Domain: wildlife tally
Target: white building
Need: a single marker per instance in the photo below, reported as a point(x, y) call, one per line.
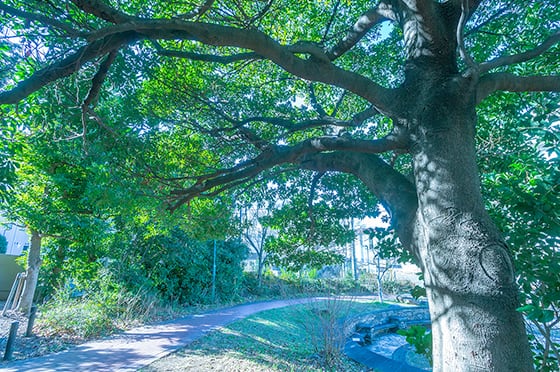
point(18, 240)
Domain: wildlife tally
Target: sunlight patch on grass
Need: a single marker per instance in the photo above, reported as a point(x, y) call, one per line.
point(273, 340)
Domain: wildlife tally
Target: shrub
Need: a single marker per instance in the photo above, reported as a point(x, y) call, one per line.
point(81, 318)
point(179, 268)
point(421, 338)
point(369, 281)
point(98, 310)
point(324, 324)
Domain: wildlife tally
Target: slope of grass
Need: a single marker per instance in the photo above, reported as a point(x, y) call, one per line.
point(294, 338)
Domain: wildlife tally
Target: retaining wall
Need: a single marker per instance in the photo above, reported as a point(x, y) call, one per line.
point(413, 314)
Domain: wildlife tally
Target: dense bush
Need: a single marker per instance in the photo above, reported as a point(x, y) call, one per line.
point(179, 268)
point(171, 265)
point(132, 275)
point(95, 313)
point(289, 284)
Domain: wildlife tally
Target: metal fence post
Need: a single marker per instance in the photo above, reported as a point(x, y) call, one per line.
point(11, 339)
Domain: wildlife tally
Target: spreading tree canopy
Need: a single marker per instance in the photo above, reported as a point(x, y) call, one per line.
point(225, 94)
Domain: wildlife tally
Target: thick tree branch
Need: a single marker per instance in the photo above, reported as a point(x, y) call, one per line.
point(210, 57)
point(277, 155)
point(101, 10)
point(362, 116)
point(65, 67)
point(396, 193)
point(316, 69)
point(343, 143)
point(490, 83)
point(98, 79)
point(465, 55)
point(44, 20)
point(521, 57)
point(383, 11)
point(292, 126)
point(289, 125)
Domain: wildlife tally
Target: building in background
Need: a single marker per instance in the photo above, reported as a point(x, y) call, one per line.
point(18, 240)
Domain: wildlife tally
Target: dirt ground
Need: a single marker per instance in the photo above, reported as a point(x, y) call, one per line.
point(25, 347)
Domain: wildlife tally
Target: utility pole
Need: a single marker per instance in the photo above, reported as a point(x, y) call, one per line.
point(370, 231)
point(214, 274)
point(379, 275)
point(362, 254)
point(354, 260)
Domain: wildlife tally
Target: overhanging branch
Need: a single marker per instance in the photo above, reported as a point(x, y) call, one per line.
point(490, 83)
point(365, 22)
point(393, 190)
point(521, 57)
point(224, 179)
point(65, 67)
point(314, 69)
point(210, 57)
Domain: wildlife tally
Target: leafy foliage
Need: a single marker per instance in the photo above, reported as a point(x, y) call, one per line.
point(519, 158)
point(180, 268)
point(421, 338)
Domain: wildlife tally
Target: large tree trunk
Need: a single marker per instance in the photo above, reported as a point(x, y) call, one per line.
point(33, 266)
point(467, 267)
point(440, 218)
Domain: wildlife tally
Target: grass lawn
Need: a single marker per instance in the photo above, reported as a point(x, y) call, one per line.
point(285, 339)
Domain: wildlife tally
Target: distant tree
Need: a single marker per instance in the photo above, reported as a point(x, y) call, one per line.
point(255, 235)
point(50, 197)
point(8, 145)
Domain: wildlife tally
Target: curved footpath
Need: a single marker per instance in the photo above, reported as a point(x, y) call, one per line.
point(138, 347)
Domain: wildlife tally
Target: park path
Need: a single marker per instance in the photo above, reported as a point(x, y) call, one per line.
point(138, 347)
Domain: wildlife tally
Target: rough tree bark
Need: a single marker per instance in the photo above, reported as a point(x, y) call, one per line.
point(467, 267)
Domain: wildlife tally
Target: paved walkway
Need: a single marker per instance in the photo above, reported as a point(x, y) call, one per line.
point(139, 347)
